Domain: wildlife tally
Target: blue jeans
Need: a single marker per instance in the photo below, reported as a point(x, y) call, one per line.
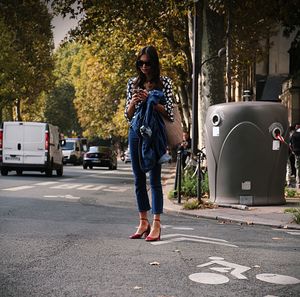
point(140, 179)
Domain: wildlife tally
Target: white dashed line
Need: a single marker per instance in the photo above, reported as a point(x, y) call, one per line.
point(46, 183)
point(18, 188)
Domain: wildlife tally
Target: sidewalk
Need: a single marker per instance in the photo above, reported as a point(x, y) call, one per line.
point(273, 216)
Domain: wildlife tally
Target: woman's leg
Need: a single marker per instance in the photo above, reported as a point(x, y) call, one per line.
point(139, 176)
point(156, 189)
point(157, 201)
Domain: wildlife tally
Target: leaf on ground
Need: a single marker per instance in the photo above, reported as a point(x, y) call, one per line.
point(137, 288)
point(277, 238)
point(256, 266)
point(155, 263)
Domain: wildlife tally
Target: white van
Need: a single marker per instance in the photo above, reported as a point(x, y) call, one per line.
point(31, 146)
point(72, 151)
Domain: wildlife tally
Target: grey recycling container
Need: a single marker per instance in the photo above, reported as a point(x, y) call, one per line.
point(246, 161)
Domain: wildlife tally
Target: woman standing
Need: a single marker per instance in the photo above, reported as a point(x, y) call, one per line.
point(148, 78)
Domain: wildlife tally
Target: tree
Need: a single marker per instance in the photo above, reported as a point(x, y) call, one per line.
point(120, 28)
point(117, 29)
point(59, 102)
point(252, 23)
point(60, 109)
point(29, 25)
point(8, 66)
point(94, 101)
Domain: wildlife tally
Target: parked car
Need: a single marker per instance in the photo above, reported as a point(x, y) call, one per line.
point(30, 146)
point(104, 155)
point(127, 158)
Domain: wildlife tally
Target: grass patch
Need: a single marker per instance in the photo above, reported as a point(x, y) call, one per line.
point(192, 203)
point(295, 212)
point(189, 184)
point(290, 193)
point(172, 195)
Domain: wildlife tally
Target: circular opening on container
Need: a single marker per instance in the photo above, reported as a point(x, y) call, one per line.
point(276, 132)
point(216, 119)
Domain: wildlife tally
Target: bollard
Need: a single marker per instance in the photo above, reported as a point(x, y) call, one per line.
point(199, 179)
point(178, 175)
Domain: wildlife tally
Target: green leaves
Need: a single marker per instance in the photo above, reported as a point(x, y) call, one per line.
point(26, 47)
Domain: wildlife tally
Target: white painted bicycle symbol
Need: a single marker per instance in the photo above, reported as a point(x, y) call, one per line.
point(236, 271)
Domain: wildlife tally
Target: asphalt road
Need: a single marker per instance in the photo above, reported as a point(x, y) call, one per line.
point(69, 237)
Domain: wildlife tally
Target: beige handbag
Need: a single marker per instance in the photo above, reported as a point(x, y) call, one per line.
point(174, 129)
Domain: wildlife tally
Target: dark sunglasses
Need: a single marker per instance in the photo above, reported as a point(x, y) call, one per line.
point(140, 63)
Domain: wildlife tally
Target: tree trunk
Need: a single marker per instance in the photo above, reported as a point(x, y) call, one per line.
point(211, 89)
point(18, 110)
point(184, 75)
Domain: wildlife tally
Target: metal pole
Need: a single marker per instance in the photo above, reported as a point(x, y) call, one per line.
point(228, 53)
point(179, 164)
point(199, 179)
point(176, 176)
point(197, 57)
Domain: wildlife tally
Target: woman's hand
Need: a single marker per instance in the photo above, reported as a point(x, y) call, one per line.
point(139, 96)
point(143, 95)
point(135, 99)
point(160, 108)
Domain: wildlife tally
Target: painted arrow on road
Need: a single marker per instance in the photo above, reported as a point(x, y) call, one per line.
point(169, 238)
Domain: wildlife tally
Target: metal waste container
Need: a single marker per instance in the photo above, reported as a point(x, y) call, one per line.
point(246, 155)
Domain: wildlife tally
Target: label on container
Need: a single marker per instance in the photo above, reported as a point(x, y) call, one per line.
point(216, 131)
point(246, 200)
point(276, 145)
point(246, 185)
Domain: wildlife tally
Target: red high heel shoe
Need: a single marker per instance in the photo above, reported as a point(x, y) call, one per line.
point(150, 238)
point(140, 235)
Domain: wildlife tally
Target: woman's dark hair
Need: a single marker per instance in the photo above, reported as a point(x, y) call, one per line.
point(151, 52)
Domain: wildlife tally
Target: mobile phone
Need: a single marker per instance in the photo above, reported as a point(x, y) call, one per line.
point(135, 91)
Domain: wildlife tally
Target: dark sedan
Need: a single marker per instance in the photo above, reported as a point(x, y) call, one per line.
point(100, 156)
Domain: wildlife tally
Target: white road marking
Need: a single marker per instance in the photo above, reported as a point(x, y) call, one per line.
point(177, 228)
point(194, 236)
point(91, 187)
point(289, 231)
point(46, 183)
point(18, 188)
point(237, 270)
point(184, 237)
point(277, 279)
point(294, 232)
point(62, 196)
point(69, 179)
point(209, 278)
point(183, 228)
point(116, 189)
point(113, 177)
point(113, 172)
point(67, 186)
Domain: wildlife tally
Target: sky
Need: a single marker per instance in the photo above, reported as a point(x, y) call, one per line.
point(61, 27)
